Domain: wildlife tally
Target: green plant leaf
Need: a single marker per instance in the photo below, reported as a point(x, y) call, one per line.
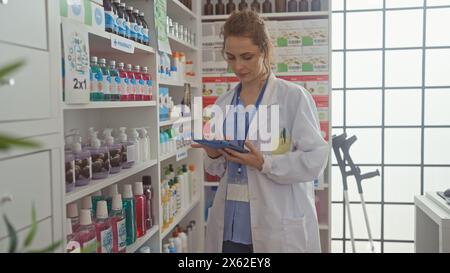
point(10, 68)
point(50, 249)
point(33, 230)
point(8, 142)
point(12, 235)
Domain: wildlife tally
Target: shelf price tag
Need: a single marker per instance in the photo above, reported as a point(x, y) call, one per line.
point(182, 155)
point(76, 63)
point(122, 44)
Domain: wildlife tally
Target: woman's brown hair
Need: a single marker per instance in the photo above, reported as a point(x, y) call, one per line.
point(248, 23)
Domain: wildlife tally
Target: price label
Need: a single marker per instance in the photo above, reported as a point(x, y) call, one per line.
point(182, 155)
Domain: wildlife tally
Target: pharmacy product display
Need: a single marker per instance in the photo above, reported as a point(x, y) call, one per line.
point(281, 6)
point(117, 221)
point(176, 67)
point(181, 32)
point(181, 240)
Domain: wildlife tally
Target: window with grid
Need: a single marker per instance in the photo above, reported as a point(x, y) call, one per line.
point(391, 88)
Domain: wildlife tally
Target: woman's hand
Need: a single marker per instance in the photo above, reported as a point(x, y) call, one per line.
point(212, 153)
point(254, 158)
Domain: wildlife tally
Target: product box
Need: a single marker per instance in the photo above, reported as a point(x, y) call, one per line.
point(288, 60)
point(217, 86)
point(211, 35)
point(97, 16)
point(90, 13)
point(288, 33)
point(317, 85)
point(315, 32)
point(213, 61)
point(315, 59)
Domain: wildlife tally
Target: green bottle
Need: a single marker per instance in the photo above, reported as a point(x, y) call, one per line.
point(130, 214)
point(97, 87)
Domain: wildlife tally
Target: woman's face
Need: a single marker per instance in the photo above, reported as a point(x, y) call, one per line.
point(244, 57)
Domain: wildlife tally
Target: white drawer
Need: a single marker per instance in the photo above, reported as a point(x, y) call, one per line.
point(27, 179)
point(24, 22)
point(42, 239)
point(29, 98)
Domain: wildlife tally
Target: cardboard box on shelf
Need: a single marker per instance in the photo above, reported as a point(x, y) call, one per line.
point(90, 13)
point(287, 33)
point(315, 59)
point(317, 85)
point(288, 60)
point(315, 32)
point(216, 86)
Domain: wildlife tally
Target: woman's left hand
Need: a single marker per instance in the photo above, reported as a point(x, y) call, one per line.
point(254, 158)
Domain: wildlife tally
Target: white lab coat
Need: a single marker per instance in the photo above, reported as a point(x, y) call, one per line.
point(282, 202)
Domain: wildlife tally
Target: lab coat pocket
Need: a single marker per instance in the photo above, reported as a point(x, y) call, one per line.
point(294, 235)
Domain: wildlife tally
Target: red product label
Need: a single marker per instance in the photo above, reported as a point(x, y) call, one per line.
point(322, 101)
point(325, 128)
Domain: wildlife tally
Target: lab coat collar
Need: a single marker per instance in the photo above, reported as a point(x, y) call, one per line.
point(270, 97)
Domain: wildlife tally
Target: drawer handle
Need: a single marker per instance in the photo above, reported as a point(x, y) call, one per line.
point(5, 199)
point(3, 2)
point(8, 82)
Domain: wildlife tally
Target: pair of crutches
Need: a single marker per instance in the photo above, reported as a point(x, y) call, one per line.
point(341, 147)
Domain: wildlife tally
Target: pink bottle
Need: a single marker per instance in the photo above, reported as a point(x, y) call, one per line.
point(103, 229)
point(141, 207)
point(86, 233)
point(72, 214)
point(132, 83)
point(139, 83)
point(148, 84)
point(72, 246)
point(125, 88)
point(119, 227)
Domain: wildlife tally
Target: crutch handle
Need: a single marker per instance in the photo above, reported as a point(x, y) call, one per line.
point(339, 140)
point(349, 142)
point(370, 175)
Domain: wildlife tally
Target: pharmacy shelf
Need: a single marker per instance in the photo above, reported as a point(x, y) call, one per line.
point(275, 16)
point(278, 74)
point(178, 218)
point(104, 40)
point(178, 10)
point(180, 45)
point(175, 121)
point(141, 241)
point(97, 185)
point(211, 184)
point(162, 81)
point(179, 151)
point(107, 105)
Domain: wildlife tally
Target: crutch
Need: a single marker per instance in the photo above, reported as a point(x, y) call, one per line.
point(341, 143)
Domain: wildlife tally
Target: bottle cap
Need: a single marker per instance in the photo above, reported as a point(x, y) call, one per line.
point(109, 140)
point(145, 249)
point(86, 203)
point(94, 59)
point(69, 226)
point(141, 14)
point(85, 218)
point(102, 61)
point(138, 188)
point(112, 63)
point(123, 134)
point(112, 191)
point(97, 193)
point(117, 202)
point(147, 180)
point(136, 11)
point(127, 191)
point(72, 210)
point(102, 210)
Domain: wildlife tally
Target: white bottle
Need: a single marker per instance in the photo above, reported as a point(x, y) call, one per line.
point(178, 243)
point(72, 246)
point(134, 137)
point(189, 235)
point(130, 149)
point(86, 203)
point(72, 214)
point(184, 240)
point(145, 249)
point(172, 245)
point(144, 145)
point(166, 248)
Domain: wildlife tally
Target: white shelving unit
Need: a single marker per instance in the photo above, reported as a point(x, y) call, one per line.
point(144, 114)
point(323, 192)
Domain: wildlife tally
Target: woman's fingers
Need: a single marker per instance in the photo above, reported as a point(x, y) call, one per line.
point(234, 153)
point(251, 147)
point(197, 146)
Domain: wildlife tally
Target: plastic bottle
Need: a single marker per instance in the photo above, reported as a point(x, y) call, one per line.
point(116, 4)
point(184, 239)
point(141, 209)
point(126, 21)
point(145, 29)
point(110, 193)
point(148, 95)
point(177, 241)
point(256, 6)
point(132, 83)
point(132, 23)
point(280, 5)
point(115, 152)
point(174, 66)
point(187, 184)
point(86, 234)
point(69, 167)
point(110, 11)
point(100, 158)
point(116, 82)
point(209, 8)
point(243, 5)
point(138, 27)
point(86, 203)
point(303, 6)
point(231, 6)
point(83, 162)
point(106, 80)
point(72, 214)
point(119, 228)
point(189, 236)
point(72, 246)
point(121, 19)
point(166, 248)
point(148, 192)
point(130, 214)
point(145, 145)
point(129, 150)
point(315, 5)
point(103, 229)
point(267, 6)
point(145, 250)
point(292, 6)
point(192, 181)
point(172, 247)
point(126, 88)
point(178, 189)
point(96, 75)
point(97, 196)
point(140, 84)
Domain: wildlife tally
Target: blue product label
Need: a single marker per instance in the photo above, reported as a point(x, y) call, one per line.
point(133, 30)
point(116, 26)
point(145, 34)
point(126, 26)
point(106, 239)
point(121, 24)
point(138, 30)
point(150, 83)
point(109, 20)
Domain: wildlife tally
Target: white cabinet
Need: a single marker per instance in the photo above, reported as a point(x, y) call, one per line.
point(24, 22)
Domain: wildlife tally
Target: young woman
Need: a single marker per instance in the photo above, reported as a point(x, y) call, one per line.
point(265, 201)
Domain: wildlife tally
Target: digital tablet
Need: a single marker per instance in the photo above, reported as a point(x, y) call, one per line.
point(221, 144)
